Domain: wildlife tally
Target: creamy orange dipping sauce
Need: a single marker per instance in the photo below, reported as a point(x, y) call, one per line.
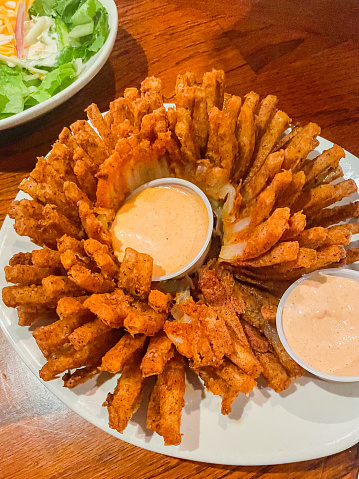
point(321, 324)
point(167, 222)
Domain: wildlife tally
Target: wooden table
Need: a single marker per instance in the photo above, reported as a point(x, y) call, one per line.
point(307, 53)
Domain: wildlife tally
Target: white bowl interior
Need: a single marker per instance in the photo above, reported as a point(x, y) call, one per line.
point(343, 272)
point(198, 260)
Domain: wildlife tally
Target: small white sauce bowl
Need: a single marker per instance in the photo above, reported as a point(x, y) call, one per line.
point(341, 272)
point(198, 260)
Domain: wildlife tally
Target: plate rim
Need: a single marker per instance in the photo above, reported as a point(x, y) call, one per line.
point(254, 459)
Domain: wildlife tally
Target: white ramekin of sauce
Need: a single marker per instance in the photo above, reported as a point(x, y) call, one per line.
point(318, 323)
point(171, 220)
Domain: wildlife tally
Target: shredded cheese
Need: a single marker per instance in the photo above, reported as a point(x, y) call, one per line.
point(8, 13)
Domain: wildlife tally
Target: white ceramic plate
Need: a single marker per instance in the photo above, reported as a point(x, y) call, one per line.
point(313, 418)
point(91, 68)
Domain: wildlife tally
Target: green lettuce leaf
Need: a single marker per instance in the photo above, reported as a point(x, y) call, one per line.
point(86, 13)
point(53, 83)
point(62, 33)
point(15, 87)
point(67, 8)
point(100, 32)
point(82, 29)
point(42, 7)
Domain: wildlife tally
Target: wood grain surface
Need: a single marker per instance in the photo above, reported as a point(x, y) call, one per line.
point(307, 53)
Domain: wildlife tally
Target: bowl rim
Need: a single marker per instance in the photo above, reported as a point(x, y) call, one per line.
point(344, 272)
point(94, 65)
point(168, 181)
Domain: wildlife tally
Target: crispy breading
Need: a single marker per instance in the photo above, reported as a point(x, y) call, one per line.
point(286, 138)
point(89, 141)
point(276, 286)
point(111, 308)
point(217, 296)
point(276, 127)
point(74, 194)
point(21, 258)
point(171, 392)
point(85, 179)
point(269, 312)
point(265, 112)
point(235, 377)
point(352, 255)
point(306, 257)
point(92, 225)
point(261, 208)
point(72, 252)
point(14, 296)
point(89, 281)
point(43, 224)
point(45, 257)
point(227, 382)
point(202, 337)
point(218, 386)
point(151, 90)
point(286, 251)
point(213, 84)
point(79, 376)
point(262, 239)
point(329, 159)
point(222, 143)
point(292, 192)
point(154, 411)
point(71, 358)
point(212, 152)
point(322, 196)
point(100, 253)
point(292, 368)
point(300, 146)
point(29, 314)
point(332, 216)
point(45, 193)
point(94, 115)
point(257, 340)
point(72, 316)
point(326, 178)
point(159, 351)
point(318, 236)
point(86, 333)
point(143, 319)
point(136, 273)
point(231, 287)
point(200, 117)
point(59, 286)
point(186, 135)
point(159, 301)
point(56, 168)
point(245, 135)
point(273, 372)
point(28, 274)
point(270, 168)
point(127, 396)
point(296, 224)
point(122, 353)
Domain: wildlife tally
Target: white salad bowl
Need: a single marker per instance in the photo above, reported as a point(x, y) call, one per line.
point(90, 70)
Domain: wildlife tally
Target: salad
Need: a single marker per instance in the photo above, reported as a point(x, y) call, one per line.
point(44, 45)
